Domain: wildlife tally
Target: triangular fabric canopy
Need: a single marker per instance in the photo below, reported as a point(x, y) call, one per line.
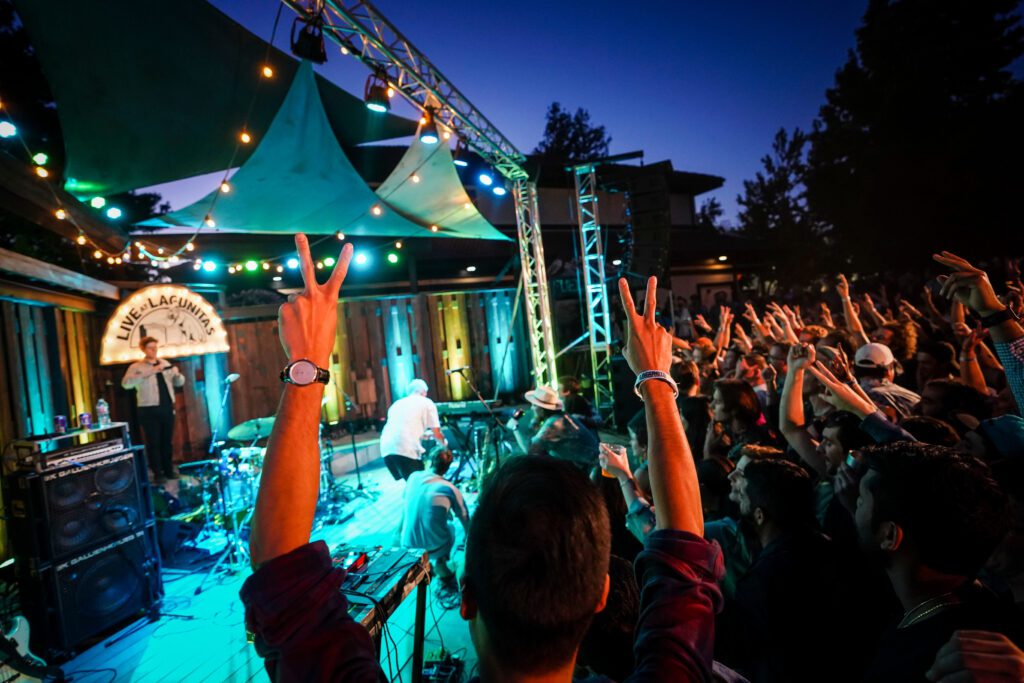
point(297, 179)
point(152, 92)
point(425, 188)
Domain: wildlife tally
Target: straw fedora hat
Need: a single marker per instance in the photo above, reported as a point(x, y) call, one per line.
point(545, 397)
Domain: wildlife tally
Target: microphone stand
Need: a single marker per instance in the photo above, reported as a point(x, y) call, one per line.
point(494, 419)
point(220, 414)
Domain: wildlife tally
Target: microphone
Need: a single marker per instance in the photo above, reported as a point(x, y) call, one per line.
point(233, 377)
point(454, 370)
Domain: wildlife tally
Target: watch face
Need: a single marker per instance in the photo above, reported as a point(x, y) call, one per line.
point(303, 372)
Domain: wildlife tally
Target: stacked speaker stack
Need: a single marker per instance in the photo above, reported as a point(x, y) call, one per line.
point(80, 522)
point(650, 219)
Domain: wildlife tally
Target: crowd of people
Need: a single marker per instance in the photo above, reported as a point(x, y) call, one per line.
point(806, 497)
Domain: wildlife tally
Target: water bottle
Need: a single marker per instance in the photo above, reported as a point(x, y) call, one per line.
point(102, 413)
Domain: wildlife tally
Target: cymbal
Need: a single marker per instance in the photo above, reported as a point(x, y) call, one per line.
point(256, 428)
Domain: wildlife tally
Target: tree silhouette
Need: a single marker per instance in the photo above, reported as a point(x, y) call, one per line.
point(571, 137)
point(919, 143)
point(710, 213)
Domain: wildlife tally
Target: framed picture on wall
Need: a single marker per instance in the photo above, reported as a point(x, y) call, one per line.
point(715, 293)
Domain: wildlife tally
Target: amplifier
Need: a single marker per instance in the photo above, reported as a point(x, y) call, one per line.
point(76, 503)
point(40, 452)
point(90, 594)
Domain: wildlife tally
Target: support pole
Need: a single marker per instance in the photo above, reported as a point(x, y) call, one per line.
point(535, 283)
point(595, 290)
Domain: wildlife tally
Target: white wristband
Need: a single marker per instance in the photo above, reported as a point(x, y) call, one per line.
point(655, 374)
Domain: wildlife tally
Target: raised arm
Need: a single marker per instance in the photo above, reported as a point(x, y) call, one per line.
point(290, 481)
point(849, 312)
point(673, 473)
point(791, 410)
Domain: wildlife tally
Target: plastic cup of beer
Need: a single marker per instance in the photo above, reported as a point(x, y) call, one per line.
point(619, 450)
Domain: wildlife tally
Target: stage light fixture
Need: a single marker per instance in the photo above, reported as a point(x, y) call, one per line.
point(460, 162)
point(40, 158)
point(428, 129)
point(308, 41)
point(470, 269)
point(97, 202)
point(114, 213)
point(485, 179)
point(292, 263)
point(225, 187)
point(375, 93)
point(80, 239)
point(617, 262)
point(277, 278)
point(42, 172)
point(723, 258)
point(499, 190)
point(329, 261)
point(61, 214)
point(251, 265)
point(8, 129)
point(209, 266)
point(392, 258)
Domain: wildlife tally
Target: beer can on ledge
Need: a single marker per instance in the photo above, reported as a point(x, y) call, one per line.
point(85, 421)
point(60, 424)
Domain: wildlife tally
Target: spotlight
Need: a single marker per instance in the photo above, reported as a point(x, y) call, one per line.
point(329, 261)
point(8, 129)
point(292, 263)
point(486, 180)
point(114, 213)
point(617, 262)
point(97, 202)
point(40, 159)
point(375, 93)
point(723, 258)
point(470, 269)
point(428, 131)
point(277, 278)
point(251, 265)
point(308, 42)
point(392, 258)
point(460, 162)
point(361, 259)
point(499, 190)
point(209, 266)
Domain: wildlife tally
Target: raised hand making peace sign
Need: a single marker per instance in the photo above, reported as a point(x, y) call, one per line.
point(648, 344)
point(309, 320)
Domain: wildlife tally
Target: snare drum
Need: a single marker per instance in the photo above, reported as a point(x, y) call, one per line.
point(240, 469)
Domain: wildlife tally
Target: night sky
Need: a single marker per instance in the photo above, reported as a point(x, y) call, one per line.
point(703, 84)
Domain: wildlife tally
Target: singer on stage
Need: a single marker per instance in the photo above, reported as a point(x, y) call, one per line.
point(409, 419)
point(154, 380)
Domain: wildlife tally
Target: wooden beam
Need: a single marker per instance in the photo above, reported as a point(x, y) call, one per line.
point(26, 266)
point(20, 292)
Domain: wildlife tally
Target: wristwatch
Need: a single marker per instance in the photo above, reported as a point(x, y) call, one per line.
point(999, 317)
point(304, 372)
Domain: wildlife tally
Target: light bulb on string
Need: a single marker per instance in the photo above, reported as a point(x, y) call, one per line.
point(267, 71)
point(97, 254)
point(398, 244)
point(245, 138)
point(340, 235)
point(376, 210)
point(197, 265)
point(434, 228)
point(61, 214)
point(40, 159)
point(415, 178)
point(189, 246)
point(80, 240)
point(42, 172)
point(279, 269)
point(319, 265)
point(160, 250)
point(225, 187)
point(329, 261)
point(208, 220)
point(118, 260)
point(266, 266)
point(110, 260)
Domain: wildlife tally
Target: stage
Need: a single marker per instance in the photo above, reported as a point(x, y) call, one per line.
point(202, 637)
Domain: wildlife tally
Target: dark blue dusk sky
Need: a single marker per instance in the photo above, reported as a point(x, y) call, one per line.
point(705, 84)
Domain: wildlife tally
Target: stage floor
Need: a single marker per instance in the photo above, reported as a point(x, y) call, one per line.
point(202, 637)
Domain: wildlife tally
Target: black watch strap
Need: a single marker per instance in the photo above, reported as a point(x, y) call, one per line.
point(322, 376)
point(999, 317)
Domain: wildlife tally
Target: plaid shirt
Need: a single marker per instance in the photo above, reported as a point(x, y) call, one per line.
point(1011, 355)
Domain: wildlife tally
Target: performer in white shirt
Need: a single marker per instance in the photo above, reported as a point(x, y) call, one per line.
point(409, 420)
point(155, 380)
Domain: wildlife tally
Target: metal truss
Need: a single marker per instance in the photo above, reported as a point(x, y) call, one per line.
point(362, 31)
point(535, 284)
point(595, 290)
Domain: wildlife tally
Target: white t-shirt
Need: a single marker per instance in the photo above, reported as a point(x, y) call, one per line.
point(429, 502)
point(409, 419)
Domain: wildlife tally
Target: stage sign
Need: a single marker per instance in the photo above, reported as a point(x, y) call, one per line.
point(182, 321)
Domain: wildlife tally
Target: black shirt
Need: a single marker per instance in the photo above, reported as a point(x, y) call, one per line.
point(166, 402)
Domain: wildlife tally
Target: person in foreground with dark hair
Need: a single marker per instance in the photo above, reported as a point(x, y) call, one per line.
point(538, 550)
point(931, 517)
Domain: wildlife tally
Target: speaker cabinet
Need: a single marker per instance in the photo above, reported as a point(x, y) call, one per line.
point(71, 601)
point(58, 512)
point(650, 218)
